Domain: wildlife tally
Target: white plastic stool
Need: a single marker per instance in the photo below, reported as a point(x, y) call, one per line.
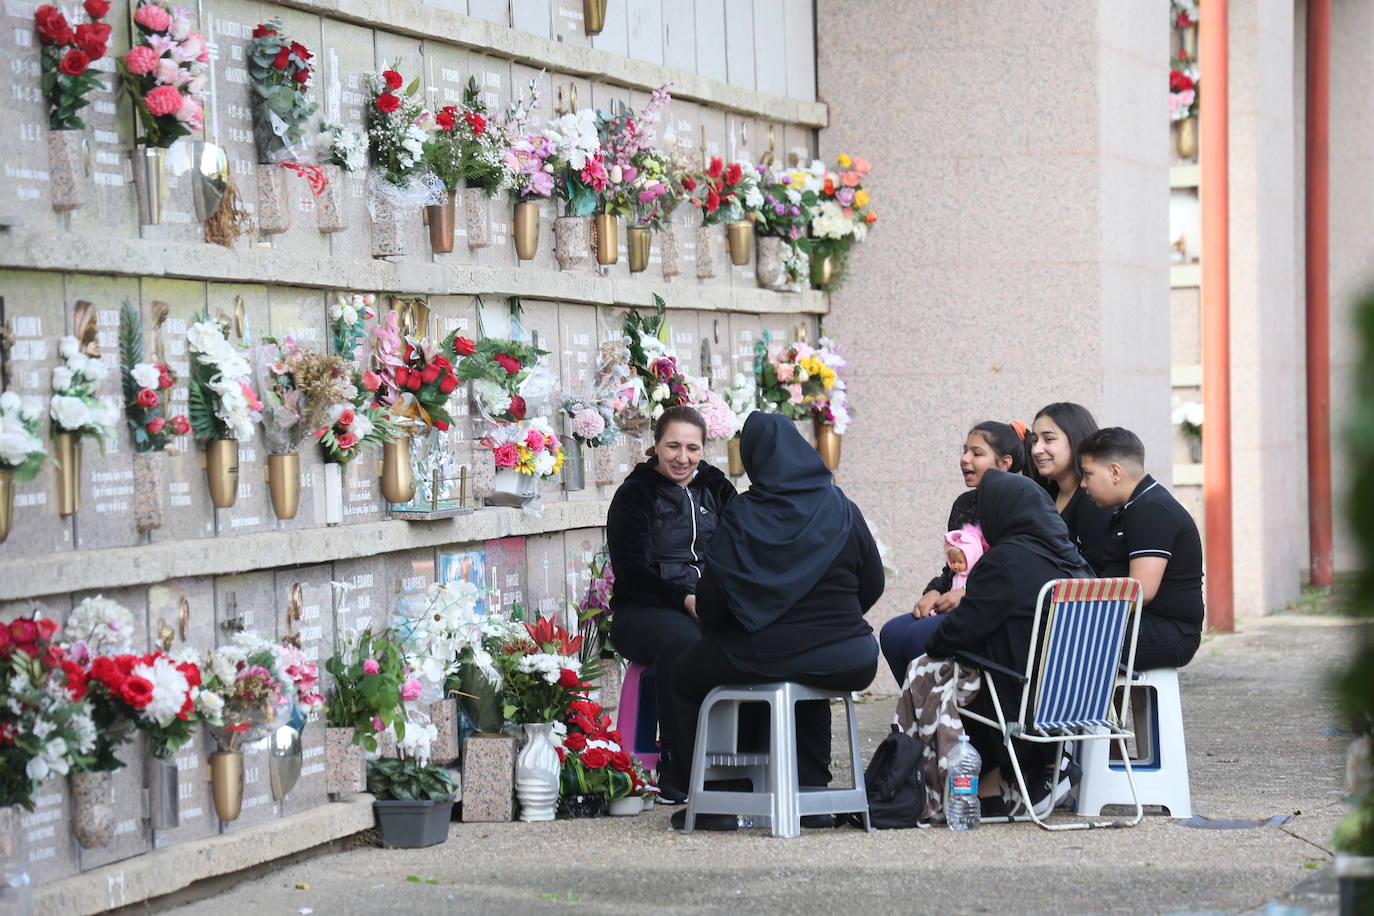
point(777, 794)
point(1161, 765)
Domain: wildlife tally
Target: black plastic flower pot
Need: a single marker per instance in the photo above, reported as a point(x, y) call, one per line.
point(582, 805)
point(413, 824)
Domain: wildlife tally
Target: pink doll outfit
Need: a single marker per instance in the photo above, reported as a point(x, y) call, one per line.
point(968, 539)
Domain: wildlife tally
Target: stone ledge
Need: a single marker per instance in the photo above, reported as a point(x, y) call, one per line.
point(148, 564)
point(408, 17)
point(172, 868)
point(89, 254)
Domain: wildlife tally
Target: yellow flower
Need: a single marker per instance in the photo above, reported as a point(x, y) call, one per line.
point(817, 369)
point(844, 160)
point(861, 198)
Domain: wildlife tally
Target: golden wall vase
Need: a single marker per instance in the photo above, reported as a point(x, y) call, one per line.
point(828, 444)
point(641, 241)
point(284, 484)
point(6, 502)
point(732, 451)
point(226, 784)
point(526, 230)
point(822, 271)
point(594, 16)
point(68, 473)
point(1186, 144)
point(222, 471)
point(398, 474)
point(740, 236)
point(440, 220)
point(607, 239)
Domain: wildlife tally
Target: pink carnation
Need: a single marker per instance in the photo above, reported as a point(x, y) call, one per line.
point(534, 440)
point(152, 17)
point(588, 424)
point(506, 456)
point(164, 100)
point(141, 59)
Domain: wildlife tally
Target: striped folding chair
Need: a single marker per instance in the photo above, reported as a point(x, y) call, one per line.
point(1085, 623)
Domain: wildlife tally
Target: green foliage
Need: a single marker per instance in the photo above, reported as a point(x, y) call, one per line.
point(356, 697)
point(280, 83)
point(66, 94)
point(391, 779)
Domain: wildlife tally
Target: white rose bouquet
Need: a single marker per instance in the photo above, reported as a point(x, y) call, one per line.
point(74, 406)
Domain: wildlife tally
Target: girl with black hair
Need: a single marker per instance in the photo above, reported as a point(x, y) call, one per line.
point(658, 529)
point(990, 444)
point(1054, 464)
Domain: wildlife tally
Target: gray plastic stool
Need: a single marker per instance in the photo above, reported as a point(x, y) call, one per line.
point(782, 800)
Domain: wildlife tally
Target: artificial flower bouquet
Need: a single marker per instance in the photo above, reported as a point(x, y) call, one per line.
point(299, 388)
point(830, 403)
point(45, 717)
point(279, 74)
point(727, 193)
point(1183, 90)
point(343, 147)
point(164, 73)
point(353, 423)
point(74, 406)
point(398, 126)
point(626, 134)
point(467, 149)
point(366, 674)
point(346, 318)
point(159, 695)
point(68, 59)
point(742, 398)
point(434, 628)
point(147, 389)
point(22, 452)
point(647, 339)
point(577, 161)
point(415, 376)
point(251, 679)
point(541, 672)
point(592, 420)
point(803, 382)
point(529, 447)
point(223, 404)
point(507, 380)
point(719, 417)
point(843, 213)
point(594, 763)
point(594, 612)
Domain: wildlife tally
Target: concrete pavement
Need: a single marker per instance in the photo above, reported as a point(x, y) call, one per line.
point(1263, 740)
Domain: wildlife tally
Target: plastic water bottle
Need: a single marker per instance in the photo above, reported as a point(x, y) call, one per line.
point(962, 808)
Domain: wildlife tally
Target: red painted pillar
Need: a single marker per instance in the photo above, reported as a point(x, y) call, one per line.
point(1319, 289)
point(1216, 313)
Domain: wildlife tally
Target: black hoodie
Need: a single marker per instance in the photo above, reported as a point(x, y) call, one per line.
point(658, 532)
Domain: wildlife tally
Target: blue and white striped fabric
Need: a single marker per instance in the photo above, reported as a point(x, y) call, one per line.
point(1085, 629)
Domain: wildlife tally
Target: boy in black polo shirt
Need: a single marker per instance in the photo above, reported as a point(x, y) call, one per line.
point(1152, 539)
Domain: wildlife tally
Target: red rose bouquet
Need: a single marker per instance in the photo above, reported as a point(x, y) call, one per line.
point(155, 693)
point(726, 193)
point(594, 763)
point(67, 58)
point(415, 377)
point(164, 73)
point(279, 73)
point(507, 380)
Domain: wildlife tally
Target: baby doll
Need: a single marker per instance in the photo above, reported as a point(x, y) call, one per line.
point(962, 549)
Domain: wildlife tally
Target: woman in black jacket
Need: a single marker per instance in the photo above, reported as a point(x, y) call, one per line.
point(1029, 546)
point(1054, 464)
point(657, 530)
point(788, 578)
point(989, 445)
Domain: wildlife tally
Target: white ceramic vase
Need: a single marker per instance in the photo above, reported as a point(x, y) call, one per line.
point(536, 773)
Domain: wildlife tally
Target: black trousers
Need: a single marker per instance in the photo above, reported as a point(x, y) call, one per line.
point(1165, 643)
point(705, 666)
point(654, 636)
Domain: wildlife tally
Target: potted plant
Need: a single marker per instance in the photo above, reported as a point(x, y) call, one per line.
point(840, 219)
point(466, 152)
point(365, 676)
point(414, 801)
point(596, 770)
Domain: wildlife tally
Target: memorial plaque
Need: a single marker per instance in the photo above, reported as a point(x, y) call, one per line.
point(744, 141)
point(299, 314)
point(409, 573)
point(462, 563)
point(315, 631)
point(745, 333)
point(362, 595)
point(34, 311)
point(345, 55)
point(569, 24)
point(494, 82)
point(108, 208)
point(579, 356)
point(186, 510)
point(45, 833)
point(252, 511)
point(248, 602)
point(165, 603)
point(26, 191)
point(685, 340)
point(580, 546)
point(545, 587)
point(506, 572)
point(106, 517)
point(797, 146)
